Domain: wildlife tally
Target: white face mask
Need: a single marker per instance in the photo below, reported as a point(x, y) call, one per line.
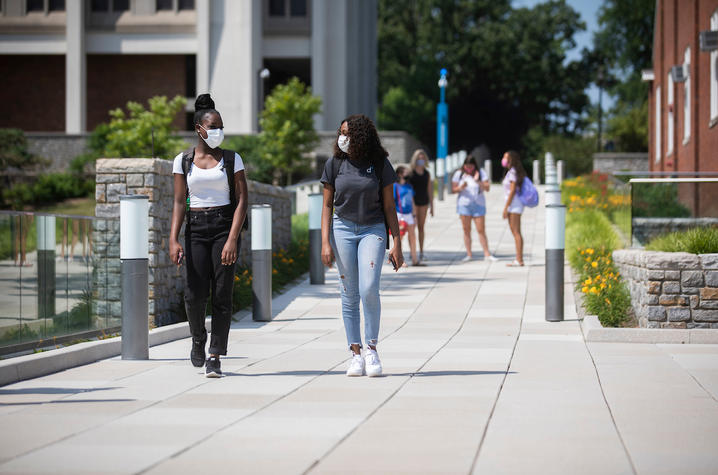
point(214, 137)
point(343, 142)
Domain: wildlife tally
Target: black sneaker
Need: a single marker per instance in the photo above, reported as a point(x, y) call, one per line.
point(197, 354)
point(212, 368)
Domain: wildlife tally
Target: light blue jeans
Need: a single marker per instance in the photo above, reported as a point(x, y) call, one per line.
point(359, 251)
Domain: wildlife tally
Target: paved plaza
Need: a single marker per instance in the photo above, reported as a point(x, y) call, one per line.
point(475, 382)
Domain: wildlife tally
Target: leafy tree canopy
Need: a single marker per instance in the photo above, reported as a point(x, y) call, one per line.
point(140, 131)
point(507, 67)
point(288, 128)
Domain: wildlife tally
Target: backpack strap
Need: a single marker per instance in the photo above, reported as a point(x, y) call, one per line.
point(228, 157)
point(187, 159)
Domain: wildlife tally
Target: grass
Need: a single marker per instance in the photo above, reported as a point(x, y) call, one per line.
point(77, 206)
point(694, 241)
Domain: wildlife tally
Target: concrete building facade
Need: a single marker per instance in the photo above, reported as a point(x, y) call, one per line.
point(67, 62)
point(683, 106)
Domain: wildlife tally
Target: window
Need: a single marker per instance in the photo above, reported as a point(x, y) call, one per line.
point(100, 5)
point(298, 8)
point(276, 8)
point(714, 73)
point(186, 4)
point(687, 96)
point(57, 6)
point(35, 5)
point(657, 150)
point(120, 5)
point(164, 5)
point(669, 121)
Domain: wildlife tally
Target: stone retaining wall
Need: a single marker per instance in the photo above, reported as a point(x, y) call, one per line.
point(153, 177)
point(645, 229)
point(613, 162)
point(671, 289)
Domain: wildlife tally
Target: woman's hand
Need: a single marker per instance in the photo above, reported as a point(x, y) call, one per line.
point(506, 214)
point(176, 252)
point(229, 252)
point(327, 255)
point(398, 256)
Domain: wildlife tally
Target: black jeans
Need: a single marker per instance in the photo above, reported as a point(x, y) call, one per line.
point(206, 233)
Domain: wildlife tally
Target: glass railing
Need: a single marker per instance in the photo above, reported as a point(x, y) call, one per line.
point(663, 205)
point(56, 280)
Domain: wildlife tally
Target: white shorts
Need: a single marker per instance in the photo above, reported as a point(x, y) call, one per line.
point(408, 217)
point(516, 206)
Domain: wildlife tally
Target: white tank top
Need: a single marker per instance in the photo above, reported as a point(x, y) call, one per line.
point(207, 187)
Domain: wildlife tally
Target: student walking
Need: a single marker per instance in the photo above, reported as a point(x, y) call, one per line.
point(358, 185)
point(405, 210)
point(470, 183)
point(420, 180)
point(214, 181)
point(513, 207)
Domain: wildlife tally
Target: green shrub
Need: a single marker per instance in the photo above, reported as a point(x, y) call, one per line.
point(588, 229)
point(657, 200)
point(48, 188)
point(13, 150)
point(695, 241)
point(249, 147)
point(18, 334)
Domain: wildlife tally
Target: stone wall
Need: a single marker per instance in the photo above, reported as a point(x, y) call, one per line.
point(153, 177)
point(645, 229)
point(671, 289)
point(57, 147)
point(614, 162)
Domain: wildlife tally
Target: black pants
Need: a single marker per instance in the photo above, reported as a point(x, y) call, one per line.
point(206, 233)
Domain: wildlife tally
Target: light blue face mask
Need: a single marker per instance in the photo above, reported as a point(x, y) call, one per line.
point(420, 163)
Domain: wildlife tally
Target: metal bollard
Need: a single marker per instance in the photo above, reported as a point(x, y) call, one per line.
point(316, 268)
point(537, 172)
point(488, 165)
point(440, 172)
point(134, 263)
point(555, 245)
point(553, 192)
point(559, 172)
point(45, 266)
point(261, 262)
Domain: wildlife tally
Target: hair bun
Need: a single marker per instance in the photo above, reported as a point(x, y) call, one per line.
point(203, 102)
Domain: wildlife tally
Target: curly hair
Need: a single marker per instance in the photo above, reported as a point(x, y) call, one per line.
point(515, 162)
point(364, 140)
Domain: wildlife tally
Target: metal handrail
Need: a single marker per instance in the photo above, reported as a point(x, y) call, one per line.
point(39, 213)
point(667, 174)
point(673, 180)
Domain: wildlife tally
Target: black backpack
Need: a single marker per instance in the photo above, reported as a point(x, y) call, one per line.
point(379, 173)
point(228, 157)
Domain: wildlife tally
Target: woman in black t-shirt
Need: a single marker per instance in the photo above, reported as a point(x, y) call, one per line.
point(420, 179)
point(358, 206)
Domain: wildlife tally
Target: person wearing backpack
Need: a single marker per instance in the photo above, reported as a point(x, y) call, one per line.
point(358, 208)
point(514, 207)
point(470, 183)
point(404, 195)
point(214, 181)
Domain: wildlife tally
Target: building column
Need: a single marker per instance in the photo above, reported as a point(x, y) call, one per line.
point(203, 45)
point(75, 69)
point(235, 61)
point(329, 61)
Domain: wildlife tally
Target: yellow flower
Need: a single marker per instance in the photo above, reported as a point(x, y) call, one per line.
point(607, 301)
point(594, 264)
point(589, 250)
point(236, 278)
point(594, 290)
point(584, 289)
point(603, 286)
point(588, 281)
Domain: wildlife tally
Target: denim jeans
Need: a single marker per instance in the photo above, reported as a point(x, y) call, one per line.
point(206, 233)
point(359, 251)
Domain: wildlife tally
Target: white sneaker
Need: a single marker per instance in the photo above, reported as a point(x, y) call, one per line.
point(492, 258)
point(356, 366)
point(466, 259)
point(373, 365)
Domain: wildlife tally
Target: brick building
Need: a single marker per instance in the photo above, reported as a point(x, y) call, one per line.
point(683, 99)
point(65, 63)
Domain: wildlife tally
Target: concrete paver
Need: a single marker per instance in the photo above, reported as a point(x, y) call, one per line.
point(475, 381)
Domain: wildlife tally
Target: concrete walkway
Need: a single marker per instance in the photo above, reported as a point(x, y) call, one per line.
point(476, 382)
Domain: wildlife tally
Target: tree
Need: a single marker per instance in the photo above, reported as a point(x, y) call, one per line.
point(13, 151)
point(623, 48)
point(143, 132)
point(507, 69)
point(288, 129)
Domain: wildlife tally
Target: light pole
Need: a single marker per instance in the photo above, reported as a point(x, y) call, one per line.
point(599, 80)
point(263, 75)
point(442, 131)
